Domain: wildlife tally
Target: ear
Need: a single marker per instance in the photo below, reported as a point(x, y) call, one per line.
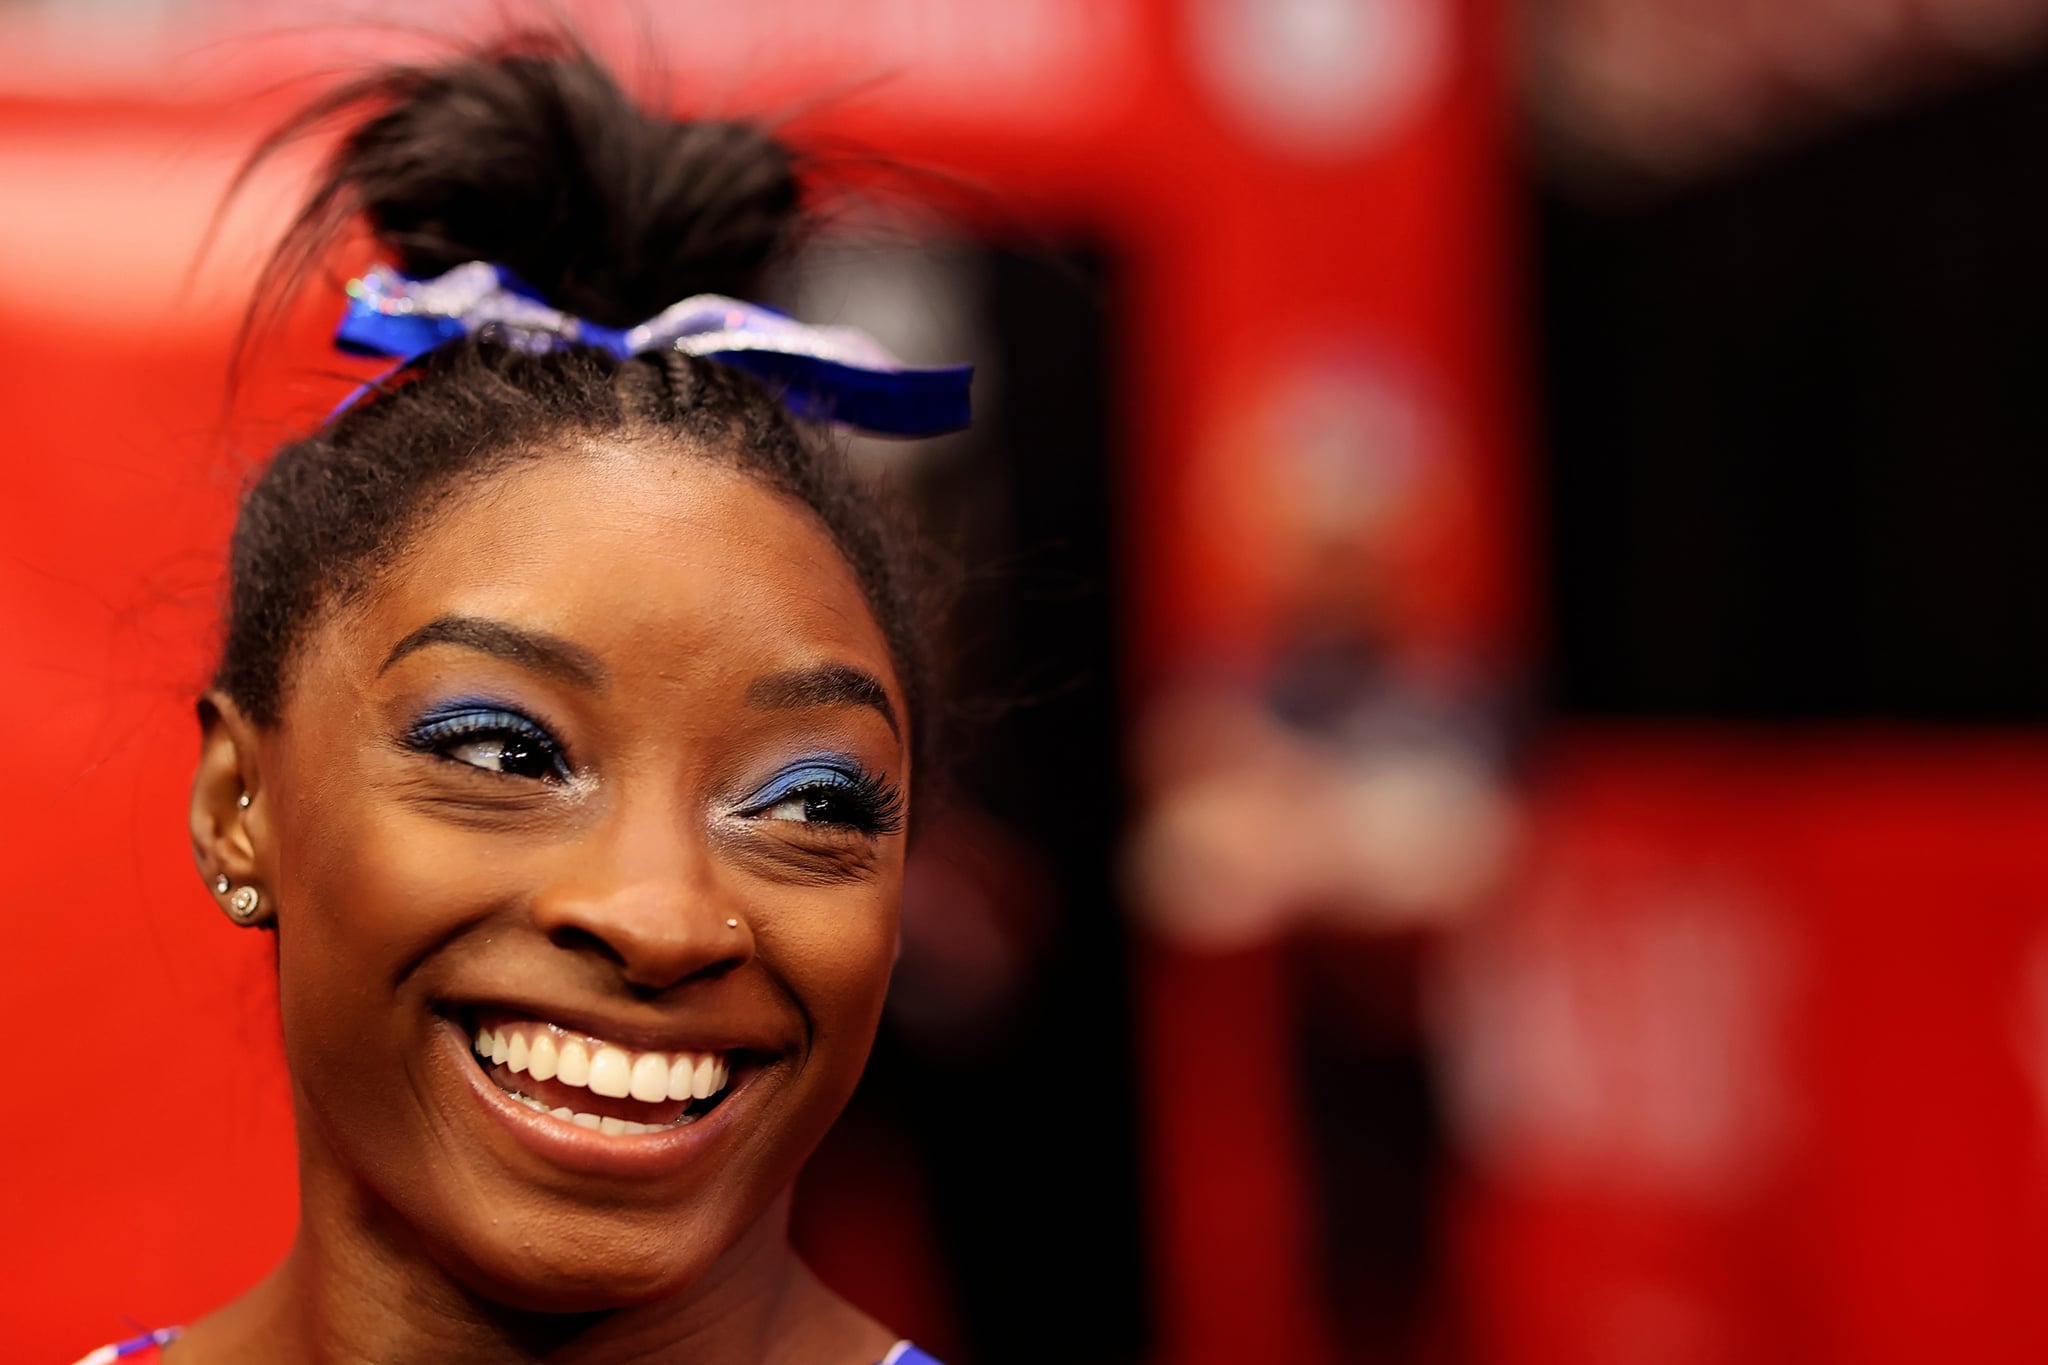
point(227, 833)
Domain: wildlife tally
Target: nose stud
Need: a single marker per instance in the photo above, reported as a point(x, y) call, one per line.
point(732, 924)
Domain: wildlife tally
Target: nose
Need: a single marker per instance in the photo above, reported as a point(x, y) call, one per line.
point(644, 892)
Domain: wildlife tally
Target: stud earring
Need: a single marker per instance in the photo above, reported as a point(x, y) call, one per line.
point(243, 801)
point(221, 884)
point(245, 905)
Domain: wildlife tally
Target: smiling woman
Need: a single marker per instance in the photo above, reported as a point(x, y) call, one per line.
point(563, 736)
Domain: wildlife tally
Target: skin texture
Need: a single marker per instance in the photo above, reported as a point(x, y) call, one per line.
point(408, 885)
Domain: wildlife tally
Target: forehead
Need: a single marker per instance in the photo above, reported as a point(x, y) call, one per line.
point(659, 562)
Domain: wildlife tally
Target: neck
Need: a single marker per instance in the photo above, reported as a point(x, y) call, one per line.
point(359, 1287)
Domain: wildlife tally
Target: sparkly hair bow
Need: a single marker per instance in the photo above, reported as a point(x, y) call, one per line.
point(824, 374)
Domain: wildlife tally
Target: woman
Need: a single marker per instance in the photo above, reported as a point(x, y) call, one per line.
point(563, 736)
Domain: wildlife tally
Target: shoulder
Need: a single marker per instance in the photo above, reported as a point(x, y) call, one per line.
point(143, 1350)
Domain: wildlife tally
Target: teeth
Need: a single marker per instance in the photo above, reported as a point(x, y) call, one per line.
point(604, 1123)
point(541, 1060)
point(611, 1125)
point(650, 1078)
point(548, 1053)
point(611, 1074)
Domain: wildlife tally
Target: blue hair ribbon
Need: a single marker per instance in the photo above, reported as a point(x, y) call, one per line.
point(823, 374)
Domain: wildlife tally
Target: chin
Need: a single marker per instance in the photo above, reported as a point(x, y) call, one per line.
point(555, 1270)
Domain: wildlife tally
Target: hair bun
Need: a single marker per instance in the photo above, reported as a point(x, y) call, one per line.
point(531, 156)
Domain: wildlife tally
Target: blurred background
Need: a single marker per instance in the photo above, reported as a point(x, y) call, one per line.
point(1501, 795)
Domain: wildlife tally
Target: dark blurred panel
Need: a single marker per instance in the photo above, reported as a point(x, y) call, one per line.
point(1796, 429)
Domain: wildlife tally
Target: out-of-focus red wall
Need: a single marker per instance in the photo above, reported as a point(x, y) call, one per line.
point(149, 1152)
point(1751, 1066)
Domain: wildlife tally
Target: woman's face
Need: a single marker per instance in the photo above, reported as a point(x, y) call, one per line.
point(604, 781)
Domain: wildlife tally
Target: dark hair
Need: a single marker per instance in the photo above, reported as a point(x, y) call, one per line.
point(529, 155)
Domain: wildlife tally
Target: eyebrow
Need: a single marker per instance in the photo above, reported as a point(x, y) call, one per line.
point(825, 685)
point(532, 649)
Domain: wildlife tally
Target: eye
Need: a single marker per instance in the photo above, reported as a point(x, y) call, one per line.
point(819, 805)
point(847, 797)
point(493, 739)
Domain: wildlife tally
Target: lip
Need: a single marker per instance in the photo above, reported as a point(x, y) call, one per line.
point(632, 1156)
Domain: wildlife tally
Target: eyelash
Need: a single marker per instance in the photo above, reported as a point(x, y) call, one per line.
point(441, 732)
point(872, 805)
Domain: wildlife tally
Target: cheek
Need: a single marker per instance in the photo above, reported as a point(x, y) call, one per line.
point(370, 891)
point(364, 898)
point(834, 950)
